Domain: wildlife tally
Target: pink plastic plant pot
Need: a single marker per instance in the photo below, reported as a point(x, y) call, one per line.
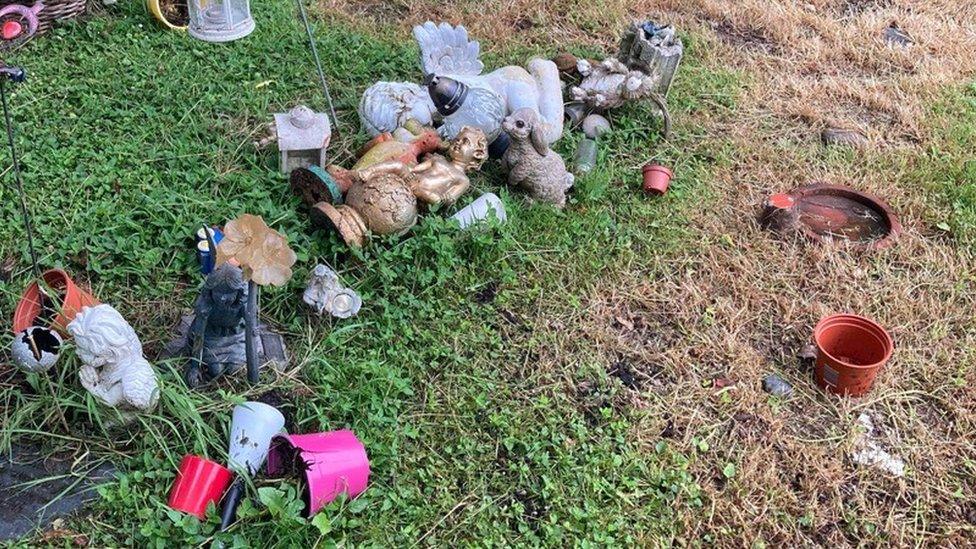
point(327, 463)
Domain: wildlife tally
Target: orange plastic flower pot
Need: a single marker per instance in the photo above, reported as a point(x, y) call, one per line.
point(850, 352)
point(657, 178)
point(71, 297)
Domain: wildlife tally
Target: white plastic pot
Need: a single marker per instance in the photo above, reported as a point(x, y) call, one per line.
point(251, 429)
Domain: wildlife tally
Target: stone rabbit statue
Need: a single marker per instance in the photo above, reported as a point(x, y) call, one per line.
point(530, 164)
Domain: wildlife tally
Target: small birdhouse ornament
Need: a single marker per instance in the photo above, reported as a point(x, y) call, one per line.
point(303, 137)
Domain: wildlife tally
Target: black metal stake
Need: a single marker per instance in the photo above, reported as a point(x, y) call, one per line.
point(318, 62)
point(250, 332)
point(17, 74)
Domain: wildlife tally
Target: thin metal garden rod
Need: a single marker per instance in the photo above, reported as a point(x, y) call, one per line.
point(318, 62)
point(20, 183)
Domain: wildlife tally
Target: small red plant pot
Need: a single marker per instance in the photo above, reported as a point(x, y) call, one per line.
point(657, 178)
point(851, 350)
point(71, 298)
point(199, 481)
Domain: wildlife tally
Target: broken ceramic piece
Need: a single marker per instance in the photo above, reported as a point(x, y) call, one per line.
point(777, 386)
point(36, 349)
point(827, 212)
point(303, 137)
point(894, 36)
point(113, 369)
point(869, 452)
point(844, 137)
point(324, 292)
point(531, 164)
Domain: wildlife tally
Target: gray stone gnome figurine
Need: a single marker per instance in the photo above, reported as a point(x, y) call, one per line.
point(215, 337)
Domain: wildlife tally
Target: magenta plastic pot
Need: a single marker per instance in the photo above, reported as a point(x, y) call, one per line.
point(327, 463)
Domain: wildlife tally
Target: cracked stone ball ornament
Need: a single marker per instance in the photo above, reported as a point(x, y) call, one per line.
point(325, 292)
point(36, 349)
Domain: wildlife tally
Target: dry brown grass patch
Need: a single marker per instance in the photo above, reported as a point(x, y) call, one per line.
point(825, 63)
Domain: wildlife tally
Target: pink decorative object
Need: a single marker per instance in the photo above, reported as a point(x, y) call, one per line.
point(13, 28)
point(331, 463)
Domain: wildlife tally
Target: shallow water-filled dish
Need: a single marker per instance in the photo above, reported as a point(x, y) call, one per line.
point(832, 212)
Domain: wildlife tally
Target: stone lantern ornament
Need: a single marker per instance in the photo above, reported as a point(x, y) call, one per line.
point(220, 20)
point(303, 137)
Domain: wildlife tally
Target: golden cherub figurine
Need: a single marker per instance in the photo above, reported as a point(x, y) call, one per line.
point(383, 197)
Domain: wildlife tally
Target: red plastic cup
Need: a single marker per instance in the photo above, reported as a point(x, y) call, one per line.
point(851, 350)
point(198, 482)
point(657, 178)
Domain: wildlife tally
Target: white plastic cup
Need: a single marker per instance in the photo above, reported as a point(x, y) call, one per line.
point(478, 211)
point(251, 429)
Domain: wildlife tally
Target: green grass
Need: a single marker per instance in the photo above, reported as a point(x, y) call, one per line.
point(131, 137)
point(471, 410)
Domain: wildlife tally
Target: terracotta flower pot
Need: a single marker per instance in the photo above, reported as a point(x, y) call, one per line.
point(199, 481)
point(71, 297)
point(850, 352)
point(657, 178)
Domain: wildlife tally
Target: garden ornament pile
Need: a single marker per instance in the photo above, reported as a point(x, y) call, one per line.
point(460, 95)
point(325, 292)
point(384, 197)
point(223, 333)
point(644, 68)
point(113, 368)
point(405, 145)
point(531, 165)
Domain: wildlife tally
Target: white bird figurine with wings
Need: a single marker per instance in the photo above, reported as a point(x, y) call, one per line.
point(459, 94)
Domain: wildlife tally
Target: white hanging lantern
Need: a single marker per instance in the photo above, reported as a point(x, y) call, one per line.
point(220, 20)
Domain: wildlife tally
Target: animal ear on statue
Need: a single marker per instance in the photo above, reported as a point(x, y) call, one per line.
point(539, 140)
